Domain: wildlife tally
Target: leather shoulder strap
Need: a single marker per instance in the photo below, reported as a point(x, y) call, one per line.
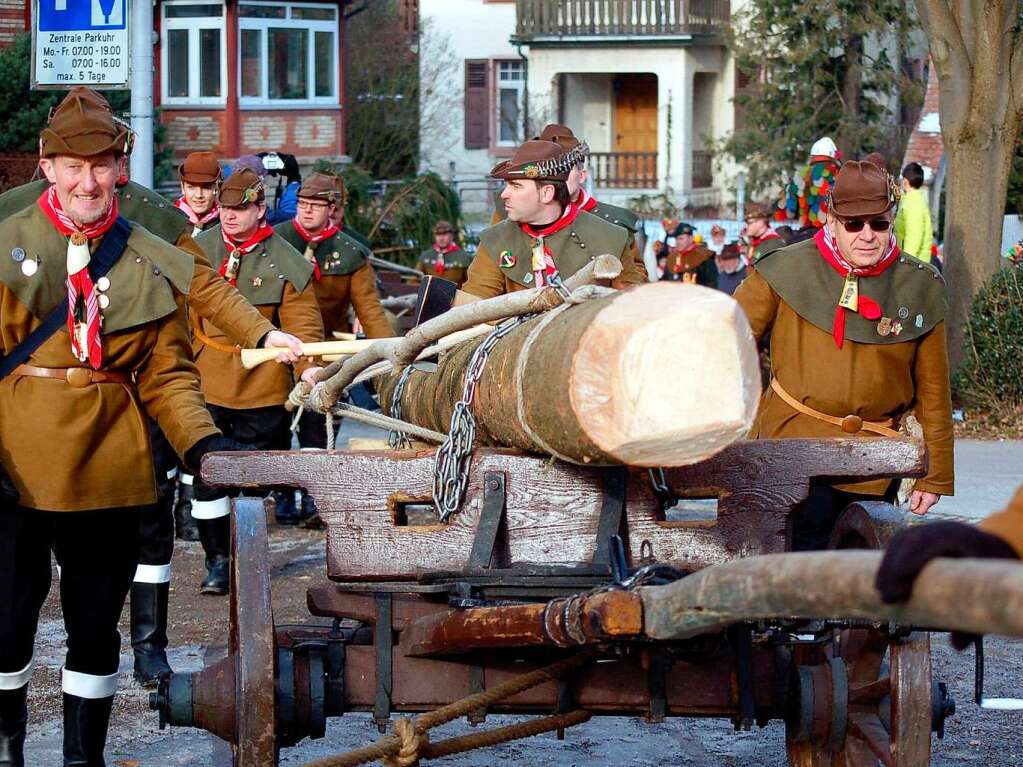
point(106, 255)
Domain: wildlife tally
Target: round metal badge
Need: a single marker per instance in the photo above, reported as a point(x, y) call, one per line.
point(18, 254)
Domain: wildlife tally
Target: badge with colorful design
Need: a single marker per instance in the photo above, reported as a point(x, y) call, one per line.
point(507, 259)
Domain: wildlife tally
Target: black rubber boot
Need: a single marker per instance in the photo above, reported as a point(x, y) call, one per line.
point(215, 535)
point(184, 525)
point(284, 507)
point(85, 730)
point(149, 632)
point(13, 718)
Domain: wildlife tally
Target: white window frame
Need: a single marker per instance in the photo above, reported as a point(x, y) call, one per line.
point(193, 25)
point(263, 101)
point(499, 85)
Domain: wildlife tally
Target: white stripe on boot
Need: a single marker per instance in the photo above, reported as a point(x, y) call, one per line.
point(221, 507)
point(88, 686)
point(15, 680)
point(153, 574)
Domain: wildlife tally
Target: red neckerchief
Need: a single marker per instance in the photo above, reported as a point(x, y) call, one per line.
point(312, 239)
point(770, 234)
point(544, 269)
point(676, 268)
point(197, 222)
point(82, 301)
point(868, 307)
point(438, 263)
point(584, 201)
point(235, 251)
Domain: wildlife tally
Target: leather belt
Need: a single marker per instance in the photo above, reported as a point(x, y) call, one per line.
point(77, 378)
point(215, 345)
point(851, 424)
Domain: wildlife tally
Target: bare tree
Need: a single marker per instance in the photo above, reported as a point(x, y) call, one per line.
point(978, 52)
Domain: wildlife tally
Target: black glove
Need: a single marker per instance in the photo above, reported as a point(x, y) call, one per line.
point(910, 550)
point(214, 443)
point(9, 494)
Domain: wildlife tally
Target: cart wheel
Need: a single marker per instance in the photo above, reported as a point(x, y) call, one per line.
point(864, 698)
point(251, 639)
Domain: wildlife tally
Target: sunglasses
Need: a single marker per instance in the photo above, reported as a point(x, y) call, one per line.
point(876, 224)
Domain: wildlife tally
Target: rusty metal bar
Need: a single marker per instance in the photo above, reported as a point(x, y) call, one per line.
point(579, 620)
point(975, 596)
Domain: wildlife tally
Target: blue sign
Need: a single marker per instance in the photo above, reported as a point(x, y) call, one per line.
point(80, 15)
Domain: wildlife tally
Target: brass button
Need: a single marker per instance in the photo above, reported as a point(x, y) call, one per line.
point(852, 424)
point(78, 378)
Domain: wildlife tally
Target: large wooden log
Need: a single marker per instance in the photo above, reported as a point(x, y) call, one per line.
point(660, 375)
point(971, 595)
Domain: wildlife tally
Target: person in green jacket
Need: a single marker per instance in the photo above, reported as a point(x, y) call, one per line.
point(913, 222)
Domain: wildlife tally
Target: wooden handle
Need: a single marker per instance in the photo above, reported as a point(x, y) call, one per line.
point(253, 357)
point(339, 336)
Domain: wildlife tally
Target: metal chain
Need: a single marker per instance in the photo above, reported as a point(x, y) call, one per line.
point(451, 465)
point(664, 495)
point(399, 440)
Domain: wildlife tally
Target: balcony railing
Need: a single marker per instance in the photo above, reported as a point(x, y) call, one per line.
point(551, 20)
point(703, 169)
point(624, 170)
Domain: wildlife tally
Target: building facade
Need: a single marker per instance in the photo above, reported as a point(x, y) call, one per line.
point(242, 76)
point(648, 85)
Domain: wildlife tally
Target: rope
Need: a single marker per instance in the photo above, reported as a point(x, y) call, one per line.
point(370, 417)
point(410, 738)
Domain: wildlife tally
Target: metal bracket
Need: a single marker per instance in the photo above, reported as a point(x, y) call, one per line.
point(477, 684)
point(657, 685)
point(740, 636)
point(611, 511)
point(383, 641)
point(494, 499)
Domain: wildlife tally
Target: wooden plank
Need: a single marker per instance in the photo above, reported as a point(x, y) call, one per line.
point(553, 508)
point(911, 701)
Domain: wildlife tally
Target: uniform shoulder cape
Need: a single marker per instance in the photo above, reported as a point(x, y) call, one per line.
point(909, 292)
point(573, 247)
point(134, 201)
point(263, 272)
point(457, 258)
point(142, 282)
point(337, 256)
point(618, 216)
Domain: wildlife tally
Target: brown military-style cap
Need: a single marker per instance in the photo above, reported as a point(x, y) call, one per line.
point(83, 125)
point(755, 211)
point(563, 136)
point(200, 168)
point(242, 187)
point(320, 186)
point(731, 250)
point(538, 160)
point(443, 226)
point(861, 190)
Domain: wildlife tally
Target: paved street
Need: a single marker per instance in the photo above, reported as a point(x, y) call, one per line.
point(988, 472)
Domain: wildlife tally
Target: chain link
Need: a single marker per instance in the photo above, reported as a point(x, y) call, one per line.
point(399, 440)
point(451, 466)
point(664, 495)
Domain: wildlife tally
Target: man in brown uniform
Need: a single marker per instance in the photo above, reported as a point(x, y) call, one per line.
point(758, 235)
point(579, 151)
point(546, 237)
point(689, 261)
point(857, 342)
point(444, 258)
point(200, 175)
point(248, 405)
point(342, 276)
point(104, 302)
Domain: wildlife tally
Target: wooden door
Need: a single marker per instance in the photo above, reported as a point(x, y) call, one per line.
point(635, 126)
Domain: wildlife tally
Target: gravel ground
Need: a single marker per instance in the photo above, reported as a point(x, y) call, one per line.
point(198, 634)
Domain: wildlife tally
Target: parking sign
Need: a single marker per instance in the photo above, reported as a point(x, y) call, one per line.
point(80, 42)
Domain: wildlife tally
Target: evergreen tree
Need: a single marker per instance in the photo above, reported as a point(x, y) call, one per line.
point(818, 69)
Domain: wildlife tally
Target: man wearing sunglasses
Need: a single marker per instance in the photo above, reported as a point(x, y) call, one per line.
point(857, 344)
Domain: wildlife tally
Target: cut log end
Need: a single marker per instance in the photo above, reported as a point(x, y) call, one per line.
point(666, 364)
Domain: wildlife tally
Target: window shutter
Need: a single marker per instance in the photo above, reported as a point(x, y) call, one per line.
point(477, 104)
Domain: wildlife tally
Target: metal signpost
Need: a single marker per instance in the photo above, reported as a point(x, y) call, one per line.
point(86, 42)
point(79, 42)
